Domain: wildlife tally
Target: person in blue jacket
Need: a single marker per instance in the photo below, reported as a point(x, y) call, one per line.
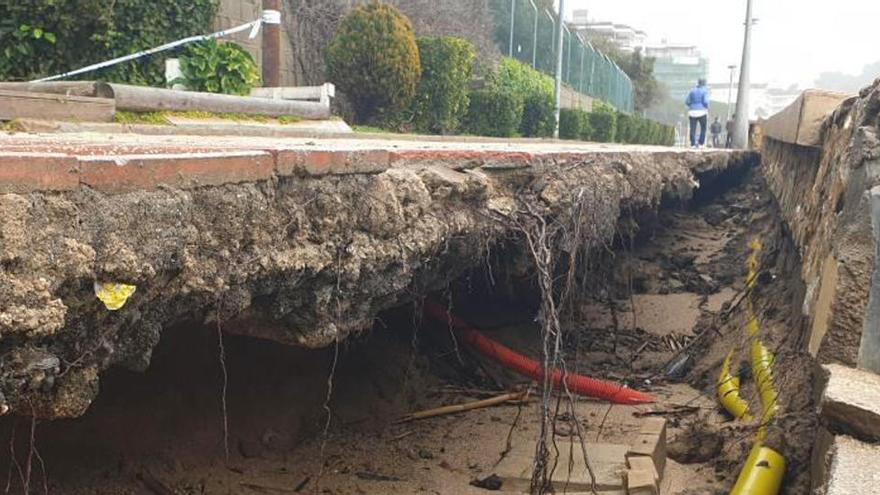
point(698, 112)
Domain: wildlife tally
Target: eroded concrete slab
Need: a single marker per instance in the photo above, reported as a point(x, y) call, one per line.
point(296, 241)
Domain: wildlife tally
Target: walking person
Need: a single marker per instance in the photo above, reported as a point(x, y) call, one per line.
point(715, 129)
point(698, 112)
point(730, 127)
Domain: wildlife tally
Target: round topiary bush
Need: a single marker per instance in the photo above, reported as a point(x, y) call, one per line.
point(374, 60)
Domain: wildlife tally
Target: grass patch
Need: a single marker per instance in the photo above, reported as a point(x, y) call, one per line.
point(162, 118)
point(369, 129)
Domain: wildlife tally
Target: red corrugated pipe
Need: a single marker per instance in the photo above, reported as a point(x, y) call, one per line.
point(509, 358)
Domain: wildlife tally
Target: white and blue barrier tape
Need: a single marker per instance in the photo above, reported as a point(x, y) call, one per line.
point(268, 17)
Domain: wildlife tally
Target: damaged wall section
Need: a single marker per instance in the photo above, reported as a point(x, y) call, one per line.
point(305, 257)
point(829, 195)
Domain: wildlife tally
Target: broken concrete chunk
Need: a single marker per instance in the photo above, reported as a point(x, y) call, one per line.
point(850, 467)
point(851, 401)
point(641, 482)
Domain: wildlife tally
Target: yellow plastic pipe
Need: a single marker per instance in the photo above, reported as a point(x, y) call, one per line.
point(762, 361)
point(762, 473)
point(728, 392)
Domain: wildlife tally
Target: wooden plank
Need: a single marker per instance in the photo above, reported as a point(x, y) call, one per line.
point(67, 88)
point(144, 99)
point(45, 106)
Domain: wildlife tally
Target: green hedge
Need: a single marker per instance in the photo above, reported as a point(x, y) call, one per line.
point(536, 91)
point(373, 58)
point(494, 112)
point(632, 129)
point(539, 116)
point(442, 98)
point(603, 120)
point(574, 124)
point(44, 37)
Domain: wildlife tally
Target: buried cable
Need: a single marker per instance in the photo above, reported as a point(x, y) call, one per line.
point(580, 384)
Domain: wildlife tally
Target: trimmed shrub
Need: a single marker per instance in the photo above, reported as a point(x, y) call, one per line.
point(520, 78)
point(574, 124)
point(39, 37)
point(374, 60)
point(218, 68)
point(442, 99)
point(494, 112)
point(536, 91)
point(627, 128)
point(539, 116)
point(603, 121)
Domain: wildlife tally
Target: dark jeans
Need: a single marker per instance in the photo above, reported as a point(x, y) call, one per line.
point(702, 121)
point(716, 140)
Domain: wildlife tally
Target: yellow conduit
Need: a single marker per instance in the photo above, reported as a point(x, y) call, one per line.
point(762, 361)
point(764, 468)
point(762, 473)
point(728, 392)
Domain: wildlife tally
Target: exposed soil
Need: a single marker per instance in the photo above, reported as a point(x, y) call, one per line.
point(670, 288)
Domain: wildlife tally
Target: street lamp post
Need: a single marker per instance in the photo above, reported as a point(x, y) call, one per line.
point(741, 125)
point(559, 27)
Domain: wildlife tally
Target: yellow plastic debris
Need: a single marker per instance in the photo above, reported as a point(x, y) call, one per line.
point(728, 392)
point(761, 474)
point(114, 295)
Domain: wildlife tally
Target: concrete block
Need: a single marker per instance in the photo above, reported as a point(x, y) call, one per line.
point(643, 463)
point(641, 482)
point(651, 442)
point(851, 401)
point(608, 462)
point(849, 467)
point(801, 122)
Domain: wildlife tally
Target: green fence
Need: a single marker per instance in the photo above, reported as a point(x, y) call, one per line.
point(533, 42)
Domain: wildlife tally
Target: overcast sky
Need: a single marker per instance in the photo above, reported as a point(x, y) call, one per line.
point(794, 40)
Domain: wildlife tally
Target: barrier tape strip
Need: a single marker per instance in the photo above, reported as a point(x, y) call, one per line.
point(268, 17)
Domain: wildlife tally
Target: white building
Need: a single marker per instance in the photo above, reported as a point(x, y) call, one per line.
point(626, 37)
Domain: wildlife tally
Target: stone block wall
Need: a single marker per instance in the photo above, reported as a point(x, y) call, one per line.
point(829, 196)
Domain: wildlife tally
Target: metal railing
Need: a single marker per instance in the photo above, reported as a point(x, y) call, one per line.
point(527, 32)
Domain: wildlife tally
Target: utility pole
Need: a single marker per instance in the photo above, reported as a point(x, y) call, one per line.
point(559, 39)
point(271, 43)
point(512, 26)
point(741, 126)
point(730, 92)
